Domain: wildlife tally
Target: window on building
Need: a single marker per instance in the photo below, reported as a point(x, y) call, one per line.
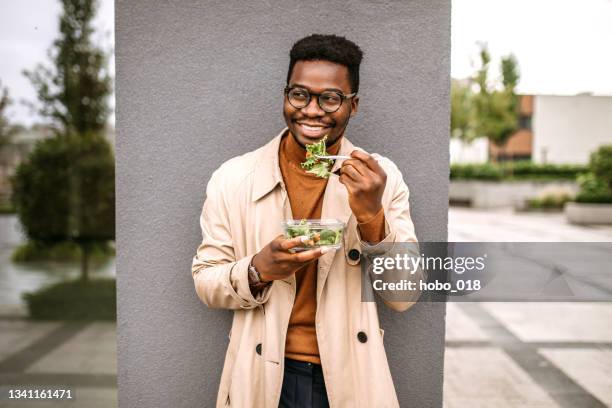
point(525, 122)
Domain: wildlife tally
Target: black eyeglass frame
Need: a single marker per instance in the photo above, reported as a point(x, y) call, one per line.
point(342, 96)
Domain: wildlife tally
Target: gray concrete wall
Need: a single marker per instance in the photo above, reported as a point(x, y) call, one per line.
point(198, 83)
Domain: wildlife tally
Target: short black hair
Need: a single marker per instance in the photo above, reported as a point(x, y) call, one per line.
point(333, 48)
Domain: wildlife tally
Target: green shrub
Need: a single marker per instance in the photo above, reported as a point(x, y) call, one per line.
point(548, 202)
point(65, 190)
point(485, 171)
point(590, 184)
point(601, 164)
point(530, 170)
point(596, 185)
point(61, 252)
point(74, 300)
point(595, 198)
point(520, 170)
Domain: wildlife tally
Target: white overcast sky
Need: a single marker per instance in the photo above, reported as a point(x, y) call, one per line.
point(27, 30)
point(564, 47)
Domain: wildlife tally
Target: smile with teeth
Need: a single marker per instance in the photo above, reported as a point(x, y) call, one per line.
point(310, 130)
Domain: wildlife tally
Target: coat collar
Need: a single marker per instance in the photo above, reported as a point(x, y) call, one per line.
point(267, 170)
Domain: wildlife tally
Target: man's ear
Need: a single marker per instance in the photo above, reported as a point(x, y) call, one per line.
point(354, 105)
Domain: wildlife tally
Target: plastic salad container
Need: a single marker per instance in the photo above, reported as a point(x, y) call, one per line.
point(319, 232)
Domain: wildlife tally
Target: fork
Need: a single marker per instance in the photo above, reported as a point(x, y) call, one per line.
point(336, 157)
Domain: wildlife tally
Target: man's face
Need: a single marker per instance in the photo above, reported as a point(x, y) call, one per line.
point(311, 123)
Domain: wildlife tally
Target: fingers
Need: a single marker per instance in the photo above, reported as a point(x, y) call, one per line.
point(349, 183)
point(350, 172)
point(356, 182)
point(310, 255)
point(287, 244)
point(356, 169)
point(303, 256)
point(368, 160)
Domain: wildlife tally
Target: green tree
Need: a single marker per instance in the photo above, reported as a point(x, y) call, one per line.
point(510, 72)
point(495, 104)
point(463, 118)
point(481, 77)
point(74, 91)
point(65, 192)
point(6, 130)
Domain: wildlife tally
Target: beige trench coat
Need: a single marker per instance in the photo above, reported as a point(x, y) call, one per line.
point(245, 203)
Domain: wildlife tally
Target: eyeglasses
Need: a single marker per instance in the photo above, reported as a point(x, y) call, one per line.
point(329, 101)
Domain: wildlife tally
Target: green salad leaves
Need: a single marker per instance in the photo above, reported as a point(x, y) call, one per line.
point(313, 165)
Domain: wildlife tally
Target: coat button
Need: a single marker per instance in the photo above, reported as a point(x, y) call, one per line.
point(354, 255)
point(258, 349)
point(362, 337)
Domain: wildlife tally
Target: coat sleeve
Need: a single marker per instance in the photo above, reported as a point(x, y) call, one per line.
point(221, 280)
point(398, 229)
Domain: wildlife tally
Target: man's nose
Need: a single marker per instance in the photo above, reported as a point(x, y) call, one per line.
point(313, 109)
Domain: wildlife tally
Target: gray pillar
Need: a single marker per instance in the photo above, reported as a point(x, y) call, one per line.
point(198, 83)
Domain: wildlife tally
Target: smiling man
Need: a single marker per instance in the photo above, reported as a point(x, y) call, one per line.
point(301, 336)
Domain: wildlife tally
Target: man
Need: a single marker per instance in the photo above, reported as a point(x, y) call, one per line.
point(301, 336)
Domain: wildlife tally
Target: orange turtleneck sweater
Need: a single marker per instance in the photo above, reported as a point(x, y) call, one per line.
point(305, 193)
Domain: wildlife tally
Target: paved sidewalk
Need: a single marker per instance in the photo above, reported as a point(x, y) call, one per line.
point(504, 225)
point(77, 356)
point(526, 354)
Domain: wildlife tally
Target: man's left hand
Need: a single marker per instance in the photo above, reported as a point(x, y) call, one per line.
point(365, 181)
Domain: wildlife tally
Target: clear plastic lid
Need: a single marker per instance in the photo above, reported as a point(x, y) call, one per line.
point(319, 232)
point(330, 223)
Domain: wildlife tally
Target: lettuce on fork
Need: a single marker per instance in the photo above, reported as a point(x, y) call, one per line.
point(313, 165)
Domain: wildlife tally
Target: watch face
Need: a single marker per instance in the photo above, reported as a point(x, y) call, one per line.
point(255, 278)
point(253, 275)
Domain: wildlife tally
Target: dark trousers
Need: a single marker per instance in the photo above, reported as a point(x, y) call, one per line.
point(303, 386)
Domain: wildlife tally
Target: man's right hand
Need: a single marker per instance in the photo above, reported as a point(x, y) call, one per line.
point(275, 261)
